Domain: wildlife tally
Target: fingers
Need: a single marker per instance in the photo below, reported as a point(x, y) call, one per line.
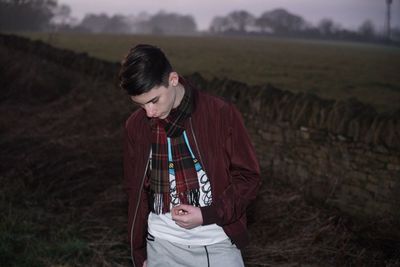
point(179, 215)
point(180, 210)
point(187, 216)
point(182, 216)
point(183, 207)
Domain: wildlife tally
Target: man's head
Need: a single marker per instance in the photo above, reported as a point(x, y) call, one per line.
point(144, 68)
point(149, 79)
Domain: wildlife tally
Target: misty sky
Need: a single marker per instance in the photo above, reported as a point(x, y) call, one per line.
point(349, 13)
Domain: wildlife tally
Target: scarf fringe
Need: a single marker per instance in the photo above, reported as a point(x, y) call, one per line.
point(160, 202)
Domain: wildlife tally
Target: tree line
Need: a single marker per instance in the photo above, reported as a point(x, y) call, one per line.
point(160, 23)
point(47, 15)
point(283, 23)
point(26, 15)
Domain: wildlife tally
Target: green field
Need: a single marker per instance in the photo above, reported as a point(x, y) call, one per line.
point(329, 69)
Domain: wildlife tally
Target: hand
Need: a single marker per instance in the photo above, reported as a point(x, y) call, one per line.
point(145, 263)
point(187, 216)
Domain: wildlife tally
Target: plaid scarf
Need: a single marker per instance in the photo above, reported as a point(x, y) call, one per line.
point(187, 185)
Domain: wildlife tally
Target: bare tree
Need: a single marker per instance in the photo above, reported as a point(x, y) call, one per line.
point(367, 29)
point(265, 23)
point(240, 20)
point(95, 23)
point(219, 24)
point(282, 22)
point(62, 15)
point(236, 21)
point(26, 15)
point(170, 23)
point(116, 24)
point(327, 27)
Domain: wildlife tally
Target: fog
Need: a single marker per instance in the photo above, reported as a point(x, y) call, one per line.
point(349, 13)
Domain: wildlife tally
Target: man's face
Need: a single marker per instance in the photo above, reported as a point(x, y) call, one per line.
point(159, 101)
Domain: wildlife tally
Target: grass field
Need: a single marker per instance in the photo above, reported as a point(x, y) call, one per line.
point(61, 193)
point(329, 69)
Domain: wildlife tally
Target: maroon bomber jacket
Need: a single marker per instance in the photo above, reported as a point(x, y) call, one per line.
point(220, 141)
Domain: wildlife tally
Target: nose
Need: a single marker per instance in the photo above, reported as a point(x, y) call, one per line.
point(150, 110)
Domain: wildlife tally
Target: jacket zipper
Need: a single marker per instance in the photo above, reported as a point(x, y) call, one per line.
point(137, 206)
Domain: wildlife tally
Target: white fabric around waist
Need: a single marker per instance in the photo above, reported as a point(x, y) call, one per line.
point(162, 226)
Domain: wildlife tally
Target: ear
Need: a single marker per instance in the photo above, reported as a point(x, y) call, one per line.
point(173, 79)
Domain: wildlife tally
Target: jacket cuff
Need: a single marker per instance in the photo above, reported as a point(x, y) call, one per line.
point(210, 215)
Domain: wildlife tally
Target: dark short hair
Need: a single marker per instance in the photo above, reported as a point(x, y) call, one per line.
point(144, 68)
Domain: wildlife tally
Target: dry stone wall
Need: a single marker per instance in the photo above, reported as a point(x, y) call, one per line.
point(80, 62)
point(341, 154)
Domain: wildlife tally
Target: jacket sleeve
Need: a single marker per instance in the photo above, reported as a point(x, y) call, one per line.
point(244, 172)
point(137, 202)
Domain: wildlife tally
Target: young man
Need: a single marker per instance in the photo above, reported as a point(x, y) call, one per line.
point(190, 169)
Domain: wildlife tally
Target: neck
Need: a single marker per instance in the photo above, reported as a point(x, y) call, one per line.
point(180, 92)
